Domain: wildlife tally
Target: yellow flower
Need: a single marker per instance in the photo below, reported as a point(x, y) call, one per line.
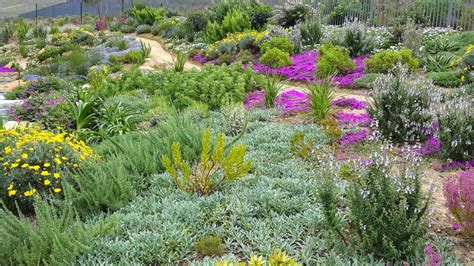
point(15, 165)
point(10, 187)
point(5, 163)
point(58, 161)
point(18, 160)
point(57, 175)
point(29, 193)
point(24, 156)
point(25, 165)
point(45, 173)
point(11, 193)
point(57, 190)
point(75, 165)
point(35, 167)
point(47, 182)
point(47, 165)
point(7, 150)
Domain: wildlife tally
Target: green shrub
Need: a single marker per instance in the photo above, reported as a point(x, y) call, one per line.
point(290, 14)
point(214, 32)
point(142, 29)
point(209, 246)
point(272, 86)
point(147, 15)
point(384, 61)
point(366, 82)
point(127, 29)
point(333, 60)
point(42, 85)
point(311, 32)
point(275, 58)
point(356, 41)
point(234, 119)
point(225, 59)
point(247, 43)
point(449, 79)
point(197, 20)
point(226, 48)
point(6, 33)
point(455, 122)
point(259, 14)
point(244, 57)
point(400, 105)
point(21, 29)
point(214, 169)
point(284, 44)
point(55, 51)
point(386, 211)
point(56, 237)
point(234, 21)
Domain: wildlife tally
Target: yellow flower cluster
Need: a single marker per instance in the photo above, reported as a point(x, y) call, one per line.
point(236, 37)
point(33, 159)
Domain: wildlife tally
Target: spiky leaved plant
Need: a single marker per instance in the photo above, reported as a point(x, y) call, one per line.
point(214, 169)
point(321, 95)
point(272, 85)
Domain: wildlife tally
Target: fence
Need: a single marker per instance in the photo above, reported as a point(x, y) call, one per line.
point(457, 14)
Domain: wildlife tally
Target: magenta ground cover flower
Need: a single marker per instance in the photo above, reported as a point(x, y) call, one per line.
point(255, 99)
point(293, 101)
point(455, 165)
point(429, 146)
point(199, 58)
point(347, 80)
point(433, 257)
point(353, 138)
point(459, 195)
point(351, 103)
point(349, 119)
point(4, 69)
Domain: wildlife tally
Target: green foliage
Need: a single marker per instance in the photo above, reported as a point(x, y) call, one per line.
point(366, 82)
point(225, 59)
point(235, 21)
point(40, 32)
point(213, 85)
point(438, 44)
point(293, 13)
point(21, 29)
point(51, 52)
point(179, 61)
point(448, 79)
point(300, 147)
point(272, 86)
point(387, 212)
point(56, 237)
point(105, 185)
point(400, 106)
point(275, 58)
point(6, 33)
point(234, 119)
point(284, 44)
point(197, 20)
point(127, 28)
point(384, 61)
point(147, 15)
point(142, 29)
point(321, 95)
point(214, 169)
point(259, 14)
point(356, 41)
point(78, 62)
point(226, 48)
point(209, 246)
point(244, 57)
point(247, 43)
point(333, 60)
point(437, 63)
point(455, 129)
point(311, 32)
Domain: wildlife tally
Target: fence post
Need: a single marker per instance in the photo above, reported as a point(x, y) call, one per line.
point(449, 16)
point(81, 12)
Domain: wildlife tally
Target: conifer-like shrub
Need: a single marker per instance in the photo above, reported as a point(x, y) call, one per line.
point(209, 246)
point(215, 168)
point(282, 43)
point(384, 61)
point(275, 58)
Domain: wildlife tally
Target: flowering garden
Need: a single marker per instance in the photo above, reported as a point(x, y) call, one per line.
point(270, 138)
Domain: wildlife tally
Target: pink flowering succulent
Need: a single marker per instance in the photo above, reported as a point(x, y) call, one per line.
point(4, 69)
point(433, 257)
point(459, 194)
point(351, 103)
point(353, 138)
point(349, 119)
point(255, 99)
point(293, 102)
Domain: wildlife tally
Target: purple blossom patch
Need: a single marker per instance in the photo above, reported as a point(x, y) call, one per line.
point(353, 119)
point(255, 99)
point(353, 138)
point(351, 103)
point(4, 69)
point(293, 101)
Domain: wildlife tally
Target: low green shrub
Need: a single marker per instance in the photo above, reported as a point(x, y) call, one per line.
point(142, 29)
point(197, 20)
point(147, 15)
point(311, 32)
point(214, 169)
point(259, 14)
point(209, 246)
point(56, 237)
point(438, 63)
point(449, 79)
point(366, 82)
point(333, 60)
point(275, 58)
point(384, 61)
point(55, 51)
point(284, 44)
point(244, 57)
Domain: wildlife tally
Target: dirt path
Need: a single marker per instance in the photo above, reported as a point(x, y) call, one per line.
point(159, 57)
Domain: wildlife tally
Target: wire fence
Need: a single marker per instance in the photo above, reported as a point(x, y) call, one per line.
point(458, 14)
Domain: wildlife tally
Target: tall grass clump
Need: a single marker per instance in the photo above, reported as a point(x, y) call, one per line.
point(272, 85)
point(321, 95)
